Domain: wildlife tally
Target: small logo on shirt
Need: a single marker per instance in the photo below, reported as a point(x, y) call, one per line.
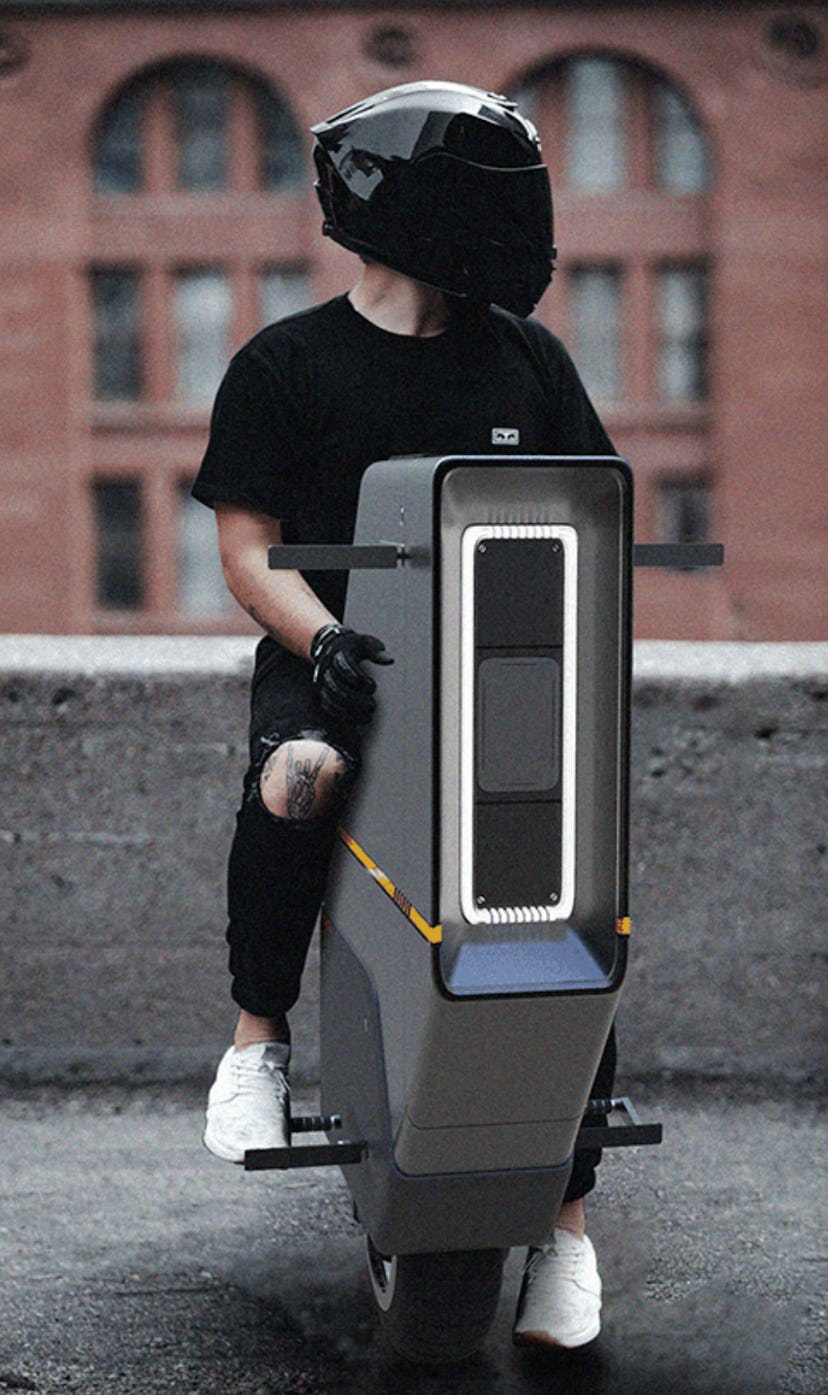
point(505, 436)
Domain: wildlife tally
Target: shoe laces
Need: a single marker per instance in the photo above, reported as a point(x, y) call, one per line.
point(567, 1261)
point(259, 1073)
point(535, 1259)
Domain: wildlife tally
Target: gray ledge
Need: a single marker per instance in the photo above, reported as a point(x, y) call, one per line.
point(91, 655)
point(728, 661)
point(126, 655)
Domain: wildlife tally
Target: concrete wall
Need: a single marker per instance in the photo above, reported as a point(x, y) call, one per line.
point(120, 768)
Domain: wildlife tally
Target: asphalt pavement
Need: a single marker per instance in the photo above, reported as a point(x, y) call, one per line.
point(132, 1262)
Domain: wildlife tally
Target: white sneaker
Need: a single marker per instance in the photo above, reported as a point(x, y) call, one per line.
point(560, 1298)
point(249, 1101)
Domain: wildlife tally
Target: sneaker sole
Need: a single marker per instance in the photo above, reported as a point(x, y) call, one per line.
point(539, 1338)
point(219, 1151)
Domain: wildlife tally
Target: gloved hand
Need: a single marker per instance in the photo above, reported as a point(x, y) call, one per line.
point(345, 690)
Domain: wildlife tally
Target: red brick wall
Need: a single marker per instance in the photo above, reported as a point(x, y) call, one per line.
point(766, 238)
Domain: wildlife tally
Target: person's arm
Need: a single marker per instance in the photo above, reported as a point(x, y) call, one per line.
point(281, 602)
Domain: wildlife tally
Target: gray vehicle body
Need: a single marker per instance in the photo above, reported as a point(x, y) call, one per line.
point(474, 933)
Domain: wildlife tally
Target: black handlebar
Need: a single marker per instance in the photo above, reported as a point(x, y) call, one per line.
point(339, 557)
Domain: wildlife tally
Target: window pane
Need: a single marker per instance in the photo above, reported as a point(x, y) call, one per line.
point(681, 149)
point(682, 348)
point(683, 511)
point(202, 590)
point(200, 100)
point(285, 290)
point(116, 316)
point(118, 147)
point(595, 124)
point(596, 320)
point(281, 154)
point(118, 545)
point(202, 316)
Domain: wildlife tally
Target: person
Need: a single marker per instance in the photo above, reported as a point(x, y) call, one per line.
point(441, 191)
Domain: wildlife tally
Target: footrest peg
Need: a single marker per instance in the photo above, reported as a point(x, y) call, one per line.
point(630, 1134)
point(315, 1123)
point(306, 1155)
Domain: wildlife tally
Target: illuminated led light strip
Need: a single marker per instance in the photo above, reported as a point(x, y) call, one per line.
point(517, 915)
point(433, 933)
point(559, 910)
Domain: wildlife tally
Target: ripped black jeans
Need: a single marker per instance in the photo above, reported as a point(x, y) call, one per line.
point(278, 867)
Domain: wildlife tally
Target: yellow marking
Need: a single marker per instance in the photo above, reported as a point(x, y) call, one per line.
point(433, 933)
point(623, 926)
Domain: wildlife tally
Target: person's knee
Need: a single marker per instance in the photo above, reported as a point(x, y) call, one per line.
point(303, 779)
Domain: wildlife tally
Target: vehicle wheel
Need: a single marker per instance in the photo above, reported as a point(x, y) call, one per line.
point(436, 1308)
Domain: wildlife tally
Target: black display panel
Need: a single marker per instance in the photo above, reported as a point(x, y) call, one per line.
point(518, 641)
point(518, 602)
point(518, 853)
point(518, 724)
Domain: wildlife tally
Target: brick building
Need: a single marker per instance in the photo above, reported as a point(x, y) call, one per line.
point(156, 208)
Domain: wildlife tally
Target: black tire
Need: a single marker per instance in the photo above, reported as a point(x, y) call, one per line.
point(436, 1308)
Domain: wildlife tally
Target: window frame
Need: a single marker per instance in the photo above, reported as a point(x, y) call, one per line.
point(159, 230)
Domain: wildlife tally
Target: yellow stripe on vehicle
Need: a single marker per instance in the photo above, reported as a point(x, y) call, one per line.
point(433, 933)
point(622, 926)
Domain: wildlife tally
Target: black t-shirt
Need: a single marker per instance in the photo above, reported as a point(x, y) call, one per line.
point(310, 402)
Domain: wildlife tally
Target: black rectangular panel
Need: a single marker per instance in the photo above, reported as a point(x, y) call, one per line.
point(517, 853)
point(518, 723)
point(332, 557)
point(518, 599)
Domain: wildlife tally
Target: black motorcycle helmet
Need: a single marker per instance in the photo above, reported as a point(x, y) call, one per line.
point(445, 184)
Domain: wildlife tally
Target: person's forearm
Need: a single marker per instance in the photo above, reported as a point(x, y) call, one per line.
point(281, 602)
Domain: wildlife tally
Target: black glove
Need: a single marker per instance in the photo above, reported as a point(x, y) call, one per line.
point(345, 690)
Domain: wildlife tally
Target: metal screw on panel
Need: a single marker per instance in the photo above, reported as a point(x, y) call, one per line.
point(480, 900)
point(553, 896)
point(481, 547)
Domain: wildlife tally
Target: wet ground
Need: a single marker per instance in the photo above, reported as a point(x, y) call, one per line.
point(132, 1262)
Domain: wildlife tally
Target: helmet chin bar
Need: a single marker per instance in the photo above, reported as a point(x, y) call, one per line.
point(481, 294)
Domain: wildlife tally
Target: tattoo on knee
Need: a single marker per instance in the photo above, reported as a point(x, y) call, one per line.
point(301, 774)
point(301, 782)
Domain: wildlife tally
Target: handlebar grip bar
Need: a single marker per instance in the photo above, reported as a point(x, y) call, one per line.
point(333, 557)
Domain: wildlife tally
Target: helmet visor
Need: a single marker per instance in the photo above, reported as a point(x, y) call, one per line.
point(490, 228)
point(491, 198)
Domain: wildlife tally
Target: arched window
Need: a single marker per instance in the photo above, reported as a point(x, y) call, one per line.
point(617, 125)
point(631, 171)
point(626, 125)
point(199, 127)
point(200, 197)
